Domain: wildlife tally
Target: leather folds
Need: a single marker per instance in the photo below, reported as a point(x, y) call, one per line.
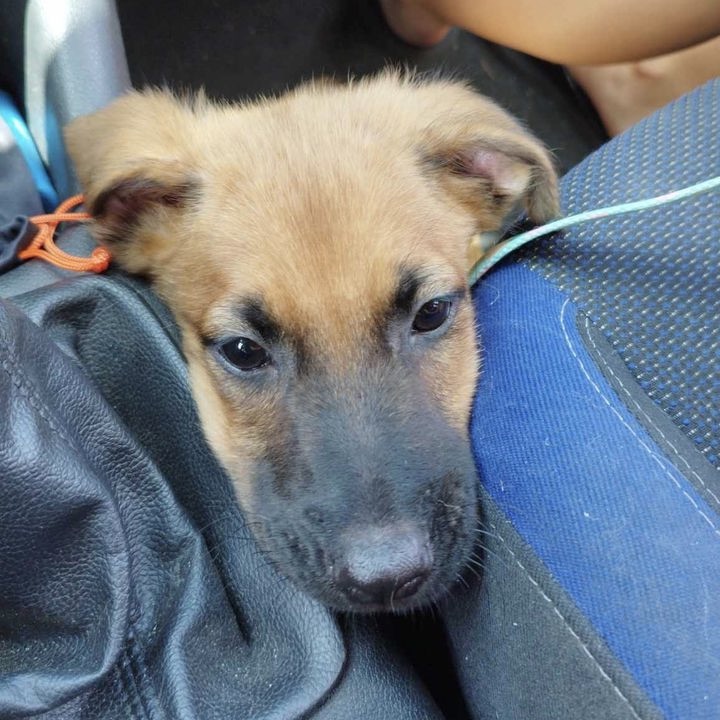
point(64, 559)
point(130, 585)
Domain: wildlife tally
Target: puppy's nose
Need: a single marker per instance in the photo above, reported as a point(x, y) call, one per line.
point(384, 564)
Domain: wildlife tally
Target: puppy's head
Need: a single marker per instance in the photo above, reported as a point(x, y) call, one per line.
point(314, 250)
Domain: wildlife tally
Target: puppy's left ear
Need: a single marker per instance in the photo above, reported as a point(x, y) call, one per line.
point(484, 160)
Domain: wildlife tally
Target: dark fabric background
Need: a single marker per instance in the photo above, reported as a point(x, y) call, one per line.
point(237, 49)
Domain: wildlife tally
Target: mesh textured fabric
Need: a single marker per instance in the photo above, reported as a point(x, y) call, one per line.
point(651, 282)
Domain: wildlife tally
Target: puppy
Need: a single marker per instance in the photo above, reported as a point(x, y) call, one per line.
point(314, 251)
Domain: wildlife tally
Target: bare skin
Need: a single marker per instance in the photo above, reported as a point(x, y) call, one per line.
point(605, 44)
point(625, 93)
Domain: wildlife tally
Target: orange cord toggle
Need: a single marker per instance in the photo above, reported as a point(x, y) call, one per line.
point(43, 244)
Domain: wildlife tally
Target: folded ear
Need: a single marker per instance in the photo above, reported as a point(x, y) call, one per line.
point(483, 159)
point(136, 165)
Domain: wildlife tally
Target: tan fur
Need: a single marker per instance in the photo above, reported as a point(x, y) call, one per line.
point(311, 202)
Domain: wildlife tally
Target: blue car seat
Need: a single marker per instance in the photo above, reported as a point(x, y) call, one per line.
point(596, 431)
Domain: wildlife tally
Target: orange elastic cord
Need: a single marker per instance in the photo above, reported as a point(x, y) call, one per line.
point(43, 244)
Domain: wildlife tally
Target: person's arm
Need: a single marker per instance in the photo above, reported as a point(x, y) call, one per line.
point(568, 32)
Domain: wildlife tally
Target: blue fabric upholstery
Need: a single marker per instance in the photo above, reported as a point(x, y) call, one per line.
point(651, 281)
point(610, 475)
point(620, 528)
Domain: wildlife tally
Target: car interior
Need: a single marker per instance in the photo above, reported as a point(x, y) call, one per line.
point(130, 586)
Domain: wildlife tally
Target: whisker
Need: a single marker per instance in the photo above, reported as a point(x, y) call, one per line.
point(489, 551)
point(477, 563)
point(487, 533)
point(459, 577)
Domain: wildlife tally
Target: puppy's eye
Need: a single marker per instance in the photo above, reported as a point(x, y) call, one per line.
point(431, 315)
point(244, 354)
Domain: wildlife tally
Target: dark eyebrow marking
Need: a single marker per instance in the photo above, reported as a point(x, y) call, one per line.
point(257, 317)
point(408, 286)
point(252, 311)
point(252, 314)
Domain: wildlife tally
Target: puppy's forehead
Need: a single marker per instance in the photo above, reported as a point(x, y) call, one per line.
point(322, 225)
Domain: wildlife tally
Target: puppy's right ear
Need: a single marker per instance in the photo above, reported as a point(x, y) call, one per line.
point(135, 161)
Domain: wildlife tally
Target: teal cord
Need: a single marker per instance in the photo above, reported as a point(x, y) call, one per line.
point(503, 249)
